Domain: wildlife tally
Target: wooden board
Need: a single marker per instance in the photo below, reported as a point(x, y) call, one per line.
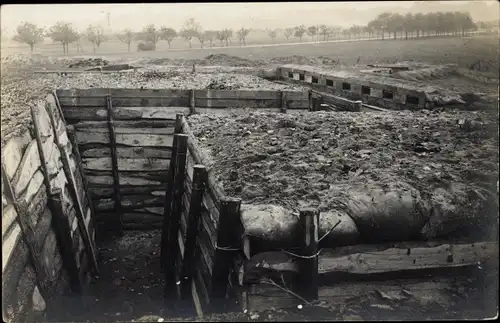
point(12, 153)
point(160, 126)
point(128, 152)
point(128, 179)
point(34, 185)
point(9, 215)
point(9, 242)
point(28, 166)
point(130, 201)
point(99, 191)
point(135, 140)
point(133, 112)
point(131, 130)
point(127, 164)
point(79, 95)
point(235, 103)
point(237, 94)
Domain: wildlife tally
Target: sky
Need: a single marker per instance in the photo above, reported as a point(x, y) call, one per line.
point(209, 15)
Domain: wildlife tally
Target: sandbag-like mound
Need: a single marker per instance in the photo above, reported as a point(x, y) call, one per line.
point(395, 176)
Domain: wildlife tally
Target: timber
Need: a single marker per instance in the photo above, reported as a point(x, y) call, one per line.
point(308, 260)
point(228, 242)
point(128, 152)
point(80, 215)
point(114, 166)
point(28, 166)
point(13, 153)
point(134, 112)
point(174, 218)
point(195, 205)
point(126, 164)
point(125, 139)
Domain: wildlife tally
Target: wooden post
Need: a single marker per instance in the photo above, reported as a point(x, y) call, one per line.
point(195, 205)
point(307, 280)
point(118, 225)
point(169, 191)
point(283, 104)
point(28, 236)
point(192, 109)
point(228, 242)
point(357, 105)
point(175, 215)
point(58, 105)
point(311, 104)
point(80, 214)
point(63, 234)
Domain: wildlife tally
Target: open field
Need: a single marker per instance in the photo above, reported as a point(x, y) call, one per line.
point(462, 51)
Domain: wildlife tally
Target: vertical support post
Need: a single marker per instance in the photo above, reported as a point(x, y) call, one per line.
point(118, 225)
point(228, 242)
point(80, 214)
point(192, 109)
point(311, 103)
point(169, 191)
point(307, 283)
point(63, 234)
point(188, 265)
point(357, 105)
point(58, 105)
point(175, 215)
point(283, 104)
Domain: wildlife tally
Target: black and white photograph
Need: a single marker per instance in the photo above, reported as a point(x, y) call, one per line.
point(250, 161)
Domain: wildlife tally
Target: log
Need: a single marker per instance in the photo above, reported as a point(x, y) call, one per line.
point(129, 152)
point(12, 153)
point(390, 258)
point(133, 112)
point(133, 140)
point(126, 164)
point(28, 166)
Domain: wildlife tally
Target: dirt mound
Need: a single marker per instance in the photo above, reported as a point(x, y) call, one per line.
point(330, 161)
point(304, 60)
point(89, 62)
point(227, 60)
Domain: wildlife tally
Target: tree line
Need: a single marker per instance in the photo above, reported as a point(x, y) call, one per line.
point(387, 24)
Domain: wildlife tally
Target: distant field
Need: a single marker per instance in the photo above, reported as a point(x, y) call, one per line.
point(462, 51)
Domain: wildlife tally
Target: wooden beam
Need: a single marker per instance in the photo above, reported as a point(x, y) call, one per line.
point(117, 223)
point(80, 214)
point(307, 280)
point(192, 101)
point(228, 243)
point(195, 206)
point(174, 219)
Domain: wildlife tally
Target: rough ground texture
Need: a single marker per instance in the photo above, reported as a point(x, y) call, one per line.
point(424, 165)
point(130, 289)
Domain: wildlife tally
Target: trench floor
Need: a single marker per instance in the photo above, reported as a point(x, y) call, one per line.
point(130, 288)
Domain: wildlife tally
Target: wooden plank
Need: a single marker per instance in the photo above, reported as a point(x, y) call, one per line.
point(28, 166)
point(126, 124)
point(203, 268)
point(9, 242)
point(100, 191)
point(80, 94)
point(128, 179)
point(209, 227)
point(236, 94)
point(133, 140)
point(195, 206)
point(211, 207)
point(126, 164)
point(129, 152)
point(80, 215)
point(129, 202)
point(9, 215)
point(99, 128)
point(132, 112)
point(196, 299)
point(33, 187)
point(236, 103)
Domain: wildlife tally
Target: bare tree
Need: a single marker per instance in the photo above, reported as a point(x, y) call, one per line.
point(228, 34)
point(150, 34)
point(312, 31)
point(220, 36)
point(29, 34)
point(126, 37)
point(299, 32)
point(288, 32)
point(168, 34)
point(272, 33)
point(95, 34)
point(191, 29)
point(242, 35)
point(210, 35)
point(64, 33)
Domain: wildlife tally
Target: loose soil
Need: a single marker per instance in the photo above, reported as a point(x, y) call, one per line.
point(322, 159)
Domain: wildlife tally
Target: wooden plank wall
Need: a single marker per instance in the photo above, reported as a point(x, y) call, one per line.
point(22, 162)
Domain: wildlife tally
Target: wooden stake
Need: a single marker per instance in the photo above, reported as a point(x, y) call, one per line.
point(80, 214)
point(188, 265)
point(228, 243)
point(118, 225)
point(174, 219)
point(192, 101)
point(311, 104)
point(307, 281)
point(283, 102)
point(58, 105)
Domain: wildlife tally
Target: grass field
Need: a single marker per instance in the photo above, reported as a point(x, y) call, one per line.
point(461, 51)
